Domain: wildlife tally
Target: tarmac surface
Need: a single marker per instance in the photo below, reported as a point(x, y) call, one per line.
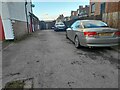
point(52, 61)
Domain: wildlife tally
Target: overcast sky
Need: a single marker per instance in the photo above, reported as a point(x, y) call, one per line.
point(51, 10)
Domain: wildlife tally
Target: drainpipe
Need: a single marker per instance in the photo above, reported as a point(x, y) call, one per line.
point(108, 12)
point(26, 16)
point(118, 15)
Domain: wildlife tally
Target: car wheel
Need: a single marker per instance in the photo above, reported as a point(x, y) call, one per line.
point(76, 41)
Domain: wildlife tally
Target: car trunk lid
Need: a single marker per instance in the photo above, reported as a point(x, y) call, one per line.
point(102, 32)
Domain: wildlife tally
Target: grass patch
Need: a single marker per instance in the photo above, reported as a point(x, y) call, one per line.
point(14, 85)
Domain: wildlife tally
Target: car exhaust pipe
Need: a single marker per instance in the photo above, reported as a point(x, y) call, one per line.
point(90, 47)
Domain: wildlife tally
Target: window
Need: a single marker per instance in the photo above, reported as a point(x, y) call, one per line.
point(93, 8)
point(102, 9)
point(94, 24)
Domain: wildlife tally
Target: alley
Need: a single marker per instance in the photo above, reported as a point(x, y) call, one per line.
point(52, 61)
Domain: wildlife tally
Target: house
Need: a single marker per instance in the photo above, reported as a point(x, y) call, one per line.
point(16, 19)
point(67, 18)
point(60, 18)
point(83, 11)
point(74, 15)
point(109, 12)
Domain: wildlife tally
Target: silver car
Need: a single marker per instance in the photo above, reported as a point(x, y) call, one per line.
point(59, 26)
point(92, 33)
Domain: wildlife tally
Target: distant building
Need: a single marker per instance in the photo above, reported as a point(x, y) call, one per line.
point(83, 11)
point(60, 18)
point(108, 11)
point(67, 18)
point(45, 25)
point(74, 15)
point(42, 25)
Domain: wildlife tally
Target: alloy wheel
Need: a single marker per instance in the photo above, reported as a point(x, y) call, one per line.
point(77, 45)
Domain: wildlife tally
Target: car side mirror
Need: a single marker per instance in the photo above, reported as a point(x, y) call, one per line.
point(69, 29)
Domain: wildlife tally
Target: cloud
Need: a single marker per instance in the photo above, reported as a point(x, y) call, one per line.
point(48, 17)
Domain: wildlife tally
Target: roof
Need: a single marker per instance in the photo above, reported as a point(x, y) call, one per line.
point(33, 15)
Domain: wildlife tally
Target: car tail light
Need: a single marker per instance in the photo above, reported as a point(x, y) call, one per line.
point(117, 33)
point(90, 34)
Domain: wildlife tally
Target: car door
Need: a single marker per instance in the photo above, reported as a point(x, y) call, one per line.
point(75, 30)
point(79, 32)
point(68, 32)
point(71, 32)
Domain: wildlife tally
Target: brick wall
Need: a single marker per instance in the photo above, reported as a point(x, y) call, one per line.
point(112, 7)
point(97, 8)
point(112, 14)
point(111, 19)
point(20, 29)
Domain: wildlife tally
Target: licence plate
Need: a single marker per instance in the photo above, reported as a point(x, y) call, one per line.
point(105, 34)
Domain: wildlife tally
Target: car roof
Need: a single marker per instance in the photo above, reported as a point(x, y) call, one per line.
point(88, 20)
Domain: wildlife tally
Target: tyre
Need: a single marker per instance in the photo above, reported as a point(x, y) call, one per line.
point(77, 42)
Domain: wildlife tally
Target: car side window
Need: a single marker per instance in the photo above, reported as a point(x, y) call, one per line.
point(76, 25)
point(73, 25)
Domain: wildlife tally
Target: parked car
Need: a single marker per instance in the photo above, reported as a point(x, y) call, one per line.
point(92, 33)
point(59, 26)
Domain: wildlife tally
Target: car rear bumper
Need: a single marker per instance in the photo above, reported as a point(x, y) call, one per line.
point(60, 28)
point(101, 42)
point(101, 45)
